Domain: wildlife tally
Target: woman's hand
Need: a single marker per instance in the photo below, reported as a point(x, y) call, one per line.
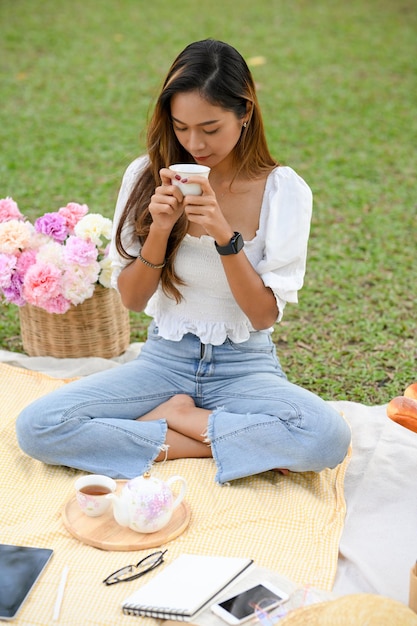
point(139, 280)
point(205, 211)
point(166, 205)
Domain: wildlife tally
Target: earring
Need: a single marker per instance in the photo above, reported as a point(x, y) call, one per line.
point(245, 124)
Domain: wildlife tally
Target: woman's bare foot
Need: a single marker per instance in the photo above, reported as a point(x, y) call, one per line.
point(187, 424)
point(181, 447)
point(183, 416)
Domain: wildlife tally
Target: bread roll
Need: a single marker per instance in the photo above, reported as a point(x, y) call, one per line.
point(403, 411)
point(411, 391)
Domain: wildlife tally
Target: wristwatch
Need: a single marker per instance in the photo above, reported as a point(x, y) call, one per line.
point(234, 246)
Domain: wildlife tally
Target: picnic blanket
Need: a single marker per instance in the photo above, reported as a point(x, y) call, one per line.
point(288, 524)
point(378, 547)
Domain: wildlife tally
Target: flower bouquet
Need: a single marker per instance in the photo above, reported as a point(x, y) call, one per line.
point(56, 269)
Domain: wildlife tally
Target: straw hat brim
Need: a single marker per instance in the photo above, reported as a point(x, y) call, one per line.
point(353, 610)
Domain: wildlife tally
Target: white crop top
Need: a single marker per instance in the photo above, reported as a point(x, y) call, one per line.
point(278, 253)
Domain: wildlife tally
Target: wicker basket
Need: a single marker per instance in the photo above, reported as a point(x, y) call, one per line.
point(97, 327)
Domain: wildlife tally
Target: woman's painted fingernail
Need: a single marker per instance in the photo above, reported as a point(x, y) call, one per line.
point(184, 180)
point(177, 177)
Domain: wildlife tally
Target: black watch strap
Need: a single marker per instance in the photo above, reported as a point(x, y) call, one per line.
point(234, 246)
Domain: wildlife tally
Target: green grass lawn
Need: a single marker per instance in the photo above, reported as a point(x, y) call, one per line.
point(339, 94)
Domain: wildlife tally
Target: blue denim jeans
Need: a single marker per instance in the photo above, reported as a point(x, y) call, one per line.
point(258, 421)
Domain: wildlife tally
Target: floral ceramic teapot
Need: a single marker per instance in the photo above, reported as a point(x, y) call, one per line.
point(146, 504)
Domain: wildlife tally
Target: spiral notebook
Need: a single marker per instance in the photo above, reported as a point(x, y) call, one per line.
point(185, 586)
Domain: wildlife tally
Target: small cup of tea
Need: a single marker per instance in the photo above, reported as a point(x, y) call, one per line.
point(184, 170)
point(91, 492)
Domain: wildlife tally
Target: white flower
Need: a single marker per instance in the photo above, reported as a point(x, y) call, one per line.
point(52, 254)
point(106, 272)
point(38, 240)
point(79, 283)
point(94, 226)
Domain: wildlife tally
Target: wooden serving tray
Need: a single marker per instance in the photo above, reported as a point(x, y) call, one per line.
point(105, 533)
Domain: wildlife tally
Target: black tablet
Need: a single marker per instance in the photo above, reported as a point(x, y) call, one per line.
point(20, 568)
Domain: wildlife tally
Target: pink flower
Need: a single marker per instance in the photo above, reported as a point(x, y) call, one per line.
point(41, 283)
point(9, 210)
point(79, 251)
point(25, 261)
point(7, 267)
point(59, 304)
point(72, 213)
point(54, 225)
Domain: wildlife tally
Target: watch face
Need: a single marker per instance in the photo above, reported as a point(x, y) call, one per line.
point(234, 246)
point(237, 242)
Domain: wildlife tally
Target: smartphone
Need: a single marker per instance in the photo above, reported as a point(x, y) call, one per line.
point(243, 606)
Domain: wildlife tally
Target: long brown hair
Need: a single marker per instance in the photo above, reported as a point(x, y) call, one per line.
point(220, 75)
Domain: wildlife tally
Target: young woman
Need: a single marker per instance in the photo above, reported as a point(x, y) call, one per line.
point(214, 272)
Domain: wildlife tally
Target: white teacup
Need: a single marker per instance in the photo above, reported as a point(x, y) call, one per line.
point(91, 492)
point(185, 170)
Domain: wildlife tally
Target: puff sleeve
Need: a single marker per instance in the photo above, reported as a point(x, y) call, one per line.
point(286, 227)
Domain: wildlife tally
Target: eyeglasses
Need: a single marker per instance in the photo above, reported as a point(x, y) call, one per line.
point(130, 572)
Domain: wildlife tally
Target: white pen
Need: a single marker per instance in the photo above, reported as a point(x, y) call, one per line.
point(60, 594)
